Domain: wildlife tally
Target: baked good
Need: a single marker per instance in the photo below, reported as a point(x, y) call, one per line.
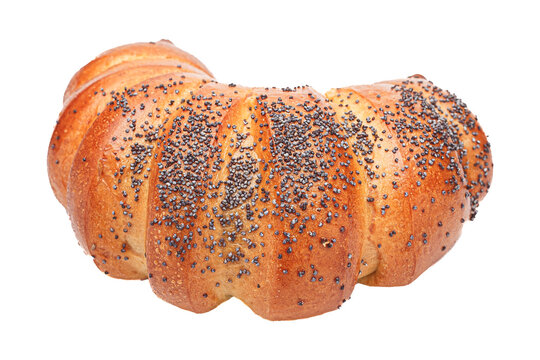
point(284, 198)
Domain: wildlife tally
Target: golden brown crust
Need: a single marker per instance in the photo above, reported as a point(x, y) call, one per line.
point(89, 91)
point(107, 204)
point(162, 49)
point(417, 175)
point(283, 198)
point(296, 259)
point(83, 107)
point(476, 153)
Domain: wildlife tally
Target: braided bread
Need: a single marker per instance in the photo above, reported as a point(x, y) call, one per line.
point(283, 198)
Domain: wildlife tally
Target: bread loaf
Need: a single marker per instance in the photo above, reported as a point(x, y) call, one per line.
point(283, 198)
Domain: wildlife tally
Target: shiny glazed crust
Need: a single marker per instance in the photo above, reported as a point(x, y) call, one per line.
point(283, 198)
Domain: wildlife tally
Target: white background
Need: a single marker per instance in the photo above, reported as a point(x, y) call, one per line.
point(480, 301)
